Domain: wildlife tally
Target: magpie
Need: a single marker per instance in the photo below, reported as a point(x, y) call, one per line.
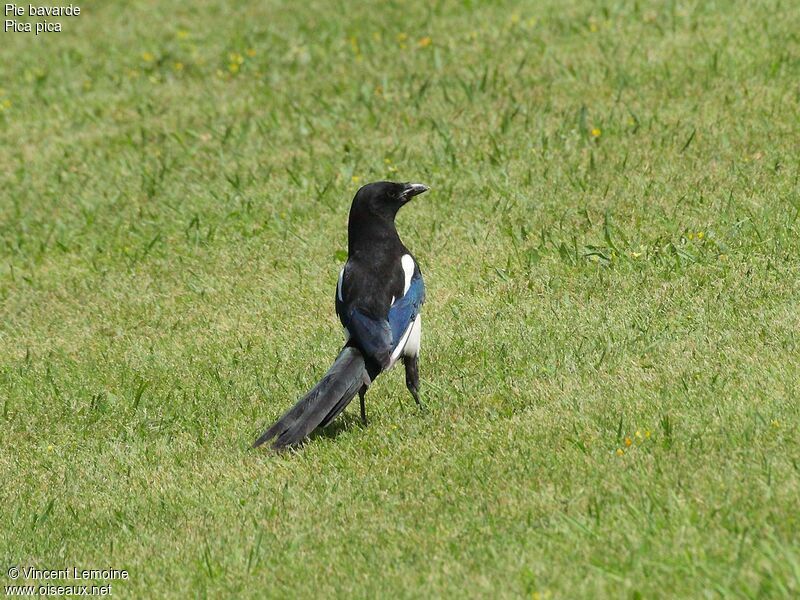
point(378, 299)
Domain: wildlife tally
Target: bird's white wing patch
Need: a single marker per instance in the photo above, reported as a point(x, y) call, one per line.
point(339, 285)
point(414, 338)
point(408, 270)
point(409, 343)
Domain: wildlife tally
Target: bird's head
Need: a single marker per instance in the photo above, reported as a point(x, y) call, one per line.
point(384, 198)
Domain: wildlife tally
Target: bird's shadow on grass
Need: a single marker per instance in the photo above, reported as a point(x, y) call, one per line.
point(337, 427)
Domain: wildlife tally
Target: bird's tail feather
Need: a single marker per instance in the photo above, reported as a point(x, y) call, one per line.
point(319, 406)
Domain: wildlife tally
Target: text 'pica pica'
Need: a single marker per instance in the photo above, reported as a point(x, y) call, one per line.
point(378, 300)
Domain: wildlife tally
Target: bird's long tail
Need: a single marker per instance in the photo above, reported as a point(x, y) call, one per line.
point(321, 405)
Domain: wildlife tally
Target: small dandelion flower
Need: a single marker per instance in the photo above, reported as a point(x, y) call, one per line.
point(690, 235)
point(639, 434)
point(233, 68)
point(355, 178)
point(182, 34)
point(148, 57)
point(250, 52)
point(620, 451)
point(596, 132)
point(402, 36)
point(236, 58)
point(178, 66)
point(515, 18)
point(647, 434)
point(50, 448)
point(628, 441)
point(5, 104)
point(424, 42)
point(776, 423)
point(387, 160)
point(700, 235)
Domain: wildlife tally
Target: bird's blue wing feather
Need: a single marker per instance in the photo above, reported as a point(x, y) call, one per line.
point(373, 336)
point(405, 310)
point(379, 338)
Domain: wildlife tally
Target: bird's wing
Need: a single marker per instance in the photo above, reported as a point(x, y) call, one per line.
point(403, 313)
point(372, 336)
point(380, 337)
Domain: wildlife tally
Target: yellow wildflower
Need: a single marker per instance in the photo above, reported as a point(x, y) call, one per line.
point(355, 178)
point(424, 42)
point(148, 57)
point(596, 132)
point(178, 66)
point(402, 37)
point(628, 441)
point(250, 52)
point(182, 34)
point(620, 451)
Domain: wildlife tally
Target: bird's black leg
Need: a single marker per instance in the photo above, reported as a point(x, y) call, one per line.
point(361, 394)
point(412, 377)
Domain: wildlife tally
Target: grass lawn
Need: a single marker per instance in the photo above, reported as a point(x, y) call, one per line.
point(610, 247)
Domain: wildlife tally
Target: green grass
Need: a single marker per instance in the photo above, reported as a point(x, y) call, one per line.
point(175, 184)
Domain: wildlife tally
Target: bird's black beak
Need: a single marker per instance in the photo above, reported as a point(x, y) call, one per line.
point(413, 189)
